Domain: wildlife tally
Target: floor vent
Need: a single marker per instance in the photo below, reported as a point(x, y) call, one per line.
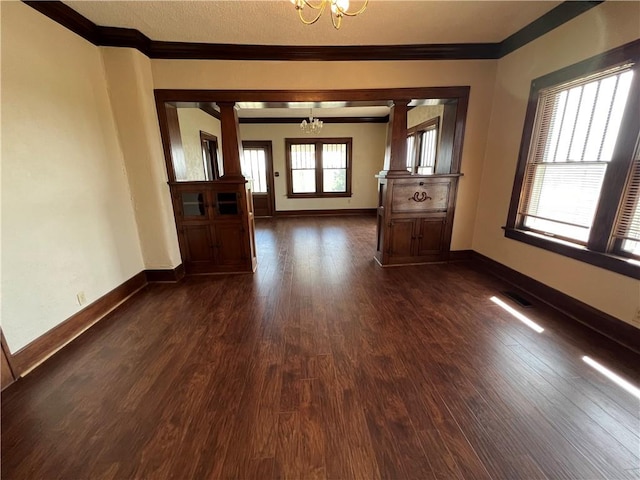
point(519, 299)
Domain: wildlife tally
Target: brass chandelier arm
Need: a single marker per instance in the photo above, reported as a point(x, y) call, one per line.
point(320, 9)
point(353, 14)
point(336, 11)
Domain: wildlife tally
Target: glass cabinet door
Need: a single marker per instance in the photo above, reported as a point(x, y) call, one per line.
point(194, 204)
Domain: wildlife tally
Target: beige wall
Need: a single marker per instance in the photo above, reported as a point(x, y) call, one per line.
point(191, 121)
point(421, 114)
point(368, 156)
point(67, 220)
point(262, 75)
point(69, 215)
point(601, 28)
point(131, 94)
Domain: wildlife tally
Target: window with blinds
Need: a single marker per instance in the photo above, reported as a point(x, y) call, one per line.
point(303, 168)
point(576, 190)
point(319, 167)
point(422, 143)
point(627, 232)
point(574, 136)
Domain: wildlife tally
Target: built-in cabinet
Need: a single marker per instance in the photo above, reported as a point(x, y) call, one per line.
point(415, 218)
point(215, 226)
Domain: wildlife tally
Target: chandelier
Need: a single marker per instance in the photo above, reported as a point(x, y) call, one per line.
point(339, 8)
point(314, 125)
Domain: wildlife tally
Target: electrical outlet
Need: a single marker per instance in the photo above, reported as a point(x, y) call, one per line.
point(82, 299)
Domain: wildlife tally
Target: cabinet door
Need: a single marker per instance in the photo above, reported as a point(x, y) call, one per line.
point(430, 236)
point(198, 243)
point(231, 244)
point(193, 204)
point(401, 237)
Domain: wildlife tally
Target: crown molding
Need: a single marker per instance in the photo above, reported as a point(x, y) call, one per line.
point(552, 19)
point(106, 36)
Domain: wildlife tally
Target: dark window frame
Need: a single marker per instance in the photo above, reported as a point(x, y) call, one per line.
point(211, 162)
point(415, 132)
point(319, 142)
point(601, 249)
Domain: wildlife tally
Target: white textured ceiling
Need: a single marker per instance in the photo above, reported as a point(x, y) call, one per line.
point(266, 22)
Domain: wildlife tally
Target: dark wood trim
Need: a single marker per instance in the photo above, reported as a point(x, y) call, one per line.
point(296, 121)
point(614, 263)
point(607, 325)
point(374, 96)
point(629, 52)
point(319, 193)
point(435, 121)
point(598, 247)
point(124, 37)
point(9, 363)
point(207, 107)
point(210, 156)
point(169, 275)
point(213, 51)
point(460, 255)
point(46, 345)
point(339, 212)
point(127, 37)
point(552, 19)
point(68, 18)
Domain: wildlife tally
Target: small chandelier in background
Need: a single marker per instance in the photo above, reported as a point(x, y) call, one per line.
point(314, 125)
point(339, 8)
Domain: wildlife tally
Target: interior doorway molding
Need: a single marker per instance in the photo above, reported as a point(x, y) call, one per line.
point(457, 95)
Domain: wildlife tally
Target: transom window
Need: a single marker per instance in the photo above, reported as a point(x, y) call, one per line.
point(578, 181)
point(422, 143)
point(319, 167)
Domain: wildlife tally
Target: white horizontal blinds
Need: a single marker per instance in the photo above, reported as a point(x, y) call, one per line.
point(303, 168)
point(254, 166)
point(410, 153)
point(575, 131)
point(628, 225)
point(334, 167)
point(427, 159)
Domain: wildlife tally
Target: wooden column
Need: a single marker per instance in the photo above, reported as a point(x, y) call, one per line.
point(231, 142)
point(395, 159)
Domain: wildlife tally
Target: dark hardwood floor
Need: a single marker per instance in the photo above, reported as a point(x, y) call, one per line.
point(324, 365)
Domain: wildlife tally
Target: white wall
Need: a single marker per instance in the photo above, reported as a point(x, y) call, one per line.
point(67, 220)
point(368, 156)
point(604, 27)
point(192, 121)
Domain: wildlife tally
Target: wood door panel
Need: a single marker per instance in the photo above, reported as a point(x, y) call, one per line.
point(261, 205)
point(198, 243)
point(430, 236)
point(401, 237)
point(230, 243)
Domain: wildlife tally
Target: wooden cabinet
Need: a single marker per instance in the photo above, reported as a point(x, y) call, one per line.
point(415, 218)
point(215, 226)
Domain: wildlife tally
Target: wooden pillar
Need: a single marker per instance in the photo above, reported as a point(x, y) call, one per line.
point(231, 142)
point(395, 159)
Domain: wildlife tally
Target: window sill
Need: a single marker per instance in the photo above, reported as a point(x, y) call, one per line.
point(621, 265)
point(319, 195)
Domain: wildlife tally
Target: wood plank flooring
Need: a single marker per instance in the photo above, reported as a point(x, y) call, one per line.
point(322, 365)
